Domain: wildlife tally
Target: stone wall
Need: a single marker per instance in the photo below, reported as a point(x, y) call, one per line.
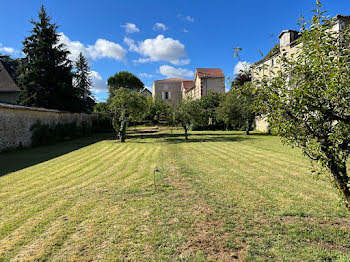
point(16, 121)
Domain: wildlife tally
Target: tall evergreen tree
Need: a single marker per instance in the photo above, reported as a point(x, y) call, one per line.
point(46, 77)
point(82, 83)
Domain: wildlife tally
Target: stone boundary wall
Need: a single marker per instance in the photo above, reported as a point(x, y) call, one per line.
point(16, 121)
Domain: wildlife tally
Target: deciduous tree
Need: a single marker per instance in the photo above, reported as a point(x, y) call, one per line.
point(186, 113)
point(307, 102)
point(126, 80)
point(125, 106)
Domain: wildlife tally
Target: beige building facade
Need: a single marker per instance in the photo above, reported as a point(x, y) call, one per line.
point(206, 80)
point(288, 46)
point(168, 90)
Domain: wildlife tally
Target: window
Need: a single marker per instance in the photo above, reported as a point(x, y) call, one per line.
point(166, 95)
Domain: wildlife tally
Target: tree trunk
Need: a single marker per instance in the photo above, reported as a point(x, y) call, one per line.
point(247, 126)
point(122, 130)
point(342, 181)
point(186, 136)
point(249, 123)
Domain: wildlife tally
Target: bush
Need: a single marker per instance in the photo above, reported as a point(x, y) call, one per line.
point(43, 134)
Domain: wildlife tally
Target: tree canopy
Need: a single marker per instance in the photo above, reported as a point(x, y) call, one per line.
point(307, 101)
point(82, 84)
point(126, 80)
point(125, 106)
point(46, 71)
point(186, 113)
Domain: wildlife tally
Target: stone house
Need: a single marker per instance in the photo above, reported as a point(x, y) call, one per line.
point(206, 80)
point(169, 90)
point(288, 45)
point(9, 91)
point(145, 92)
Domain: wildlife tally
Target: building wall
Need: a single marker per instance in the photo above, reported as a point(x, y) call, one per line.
point(174, 87)
point(8, 97)
point(261, 124)
point(214, 85)
point(16, 122)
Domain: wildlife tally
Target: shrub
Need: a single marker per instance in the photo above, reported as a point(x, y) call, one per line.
point(43, 134)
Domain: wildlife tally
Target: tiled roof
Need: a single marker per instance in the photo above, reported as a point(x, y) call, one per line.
point(209, 72)
point(173, 80)
point(6, 82)
point(188, 84)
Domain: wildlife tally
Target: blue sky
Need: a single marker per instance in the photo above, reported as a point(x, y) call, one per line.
point(157, 39)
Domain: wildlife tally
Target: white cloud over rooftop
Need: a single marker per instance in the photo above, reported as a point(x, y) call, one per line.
point(159, 49)
point(172, 72)
point(241, 66)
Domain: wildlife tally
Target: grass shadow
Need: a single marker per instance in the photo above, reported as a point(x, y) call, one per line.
point(175, 138)
point(22, 158)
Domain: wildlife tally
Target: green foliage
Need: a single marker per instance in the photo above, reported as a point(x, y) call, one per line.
point(230, 111)
point(186, 113)
point(43, 134)
point(237, 109)
point(124, 106)
point(275, 49)
point(82, 84)
point(307, 101)
point(101, 107)
point(46, 77)
point(126, 80)
point(207, 117)
point(157, 111)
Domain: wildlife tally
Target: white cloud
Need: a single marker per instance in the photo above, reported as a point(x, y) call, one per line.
point(159, 49)
point(105, 48)
point(186, 18)
point(98, 84)
point(101, 49)
point(241, 66)
point(189, 19)
point(145, 75)
point(131, 43)
point(172, 72)
point(185, 30)
point(159, 27)
point(130, 28)
point(9, 50)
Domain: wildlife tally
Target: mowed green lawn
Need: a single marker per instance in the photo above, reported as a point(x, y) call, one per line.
point(221, 196)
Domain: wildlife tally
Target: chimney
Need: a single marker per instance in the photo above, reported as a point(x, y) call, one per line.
point(287, 37)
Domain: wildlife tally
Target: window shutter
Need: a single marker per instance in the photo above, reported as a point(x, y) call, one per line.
point(169, 95)
point(163, 95)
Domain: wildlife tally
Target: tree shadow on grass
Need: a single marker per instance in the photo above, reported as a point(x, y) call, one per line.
point(22, 158)
point(192, 137)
